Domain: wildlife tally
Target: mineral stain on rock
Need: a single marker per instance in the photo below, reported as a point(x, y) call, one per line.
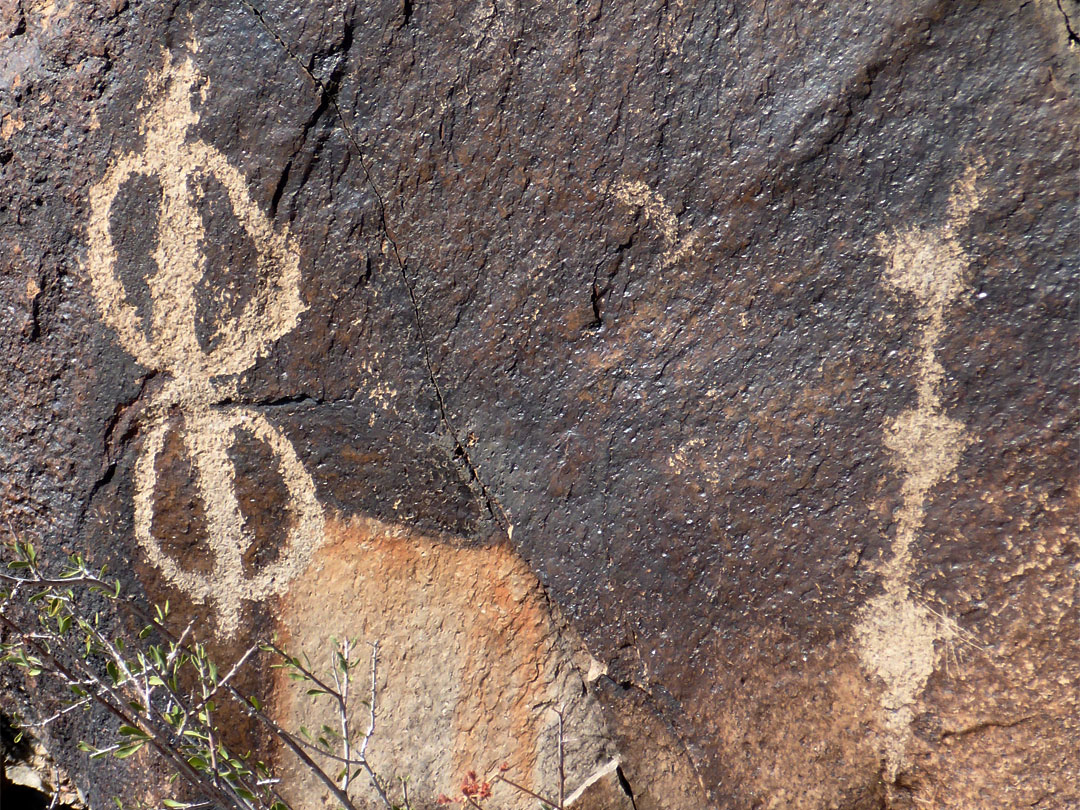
point(472, 663)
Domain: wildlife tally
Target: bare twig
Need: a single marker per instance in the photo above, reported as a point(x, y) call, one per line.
point(538, 796)
point(40, 724)
point(62, 582)
point(344, 714)
point(296, 750)
point(371, 701)
point(562, 763)
point(179, 645)
point(372, 776)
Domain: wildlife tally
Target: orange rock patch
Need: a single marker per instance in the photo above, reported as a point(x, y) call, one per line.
point(471, 661)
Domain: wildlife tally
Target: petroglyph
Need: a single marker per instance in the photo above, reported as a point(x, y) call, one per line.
point(635, 194)
point(896, 634)
point(691, 459)
point(170, 344)
point(671, 38)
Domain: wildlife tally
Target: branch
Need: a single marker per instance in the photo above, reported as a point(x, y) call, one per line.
point(297, 751)
point(526, 791)
point(98, 694)
point(371, 730)
point(562, 763)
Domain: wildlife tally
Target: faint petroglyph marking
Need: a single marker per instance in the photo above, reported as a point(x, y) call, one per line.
point(382, 393)
point(896, 633)
point(170, 344)
point(492, 22)
point(670, 37)
point(688, 458)
point(635, 194)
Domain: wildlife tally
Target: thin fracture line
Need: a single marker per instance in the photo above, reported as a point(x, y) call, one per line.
point(493, 504)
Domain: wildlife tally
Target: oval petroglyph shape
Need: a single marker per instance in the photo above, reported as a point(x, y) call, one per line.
point(171, 344)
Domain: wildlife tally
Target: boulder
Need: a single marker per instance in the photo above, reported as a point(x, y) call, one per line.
point(704, 371)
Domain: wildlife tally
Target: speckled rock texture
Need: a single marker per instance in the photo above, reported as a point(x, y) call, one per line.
point(706, 369)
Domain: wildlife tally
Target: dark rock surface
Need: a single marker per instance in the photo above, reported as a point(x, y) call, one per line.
point(652, 296)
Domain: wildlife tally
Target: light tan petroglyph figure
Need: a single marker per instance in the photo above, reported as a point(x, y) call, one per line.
point(199, 384)
point(637, 195)
point(896, 634)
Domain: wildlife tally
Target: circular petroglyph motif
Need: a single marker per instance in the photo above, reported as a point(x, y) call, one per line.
point(208, 436)
point(170, 343)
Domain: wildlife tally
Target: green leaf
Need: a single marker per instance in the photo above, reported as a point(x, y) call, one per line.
point(173, 804)
point(132, 731)
point(125, 751)
point(256, 703)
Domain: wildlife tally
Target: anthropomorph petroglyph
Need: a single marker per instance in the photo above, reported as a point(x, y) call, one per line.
point(199, 383)
point(896, 634)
